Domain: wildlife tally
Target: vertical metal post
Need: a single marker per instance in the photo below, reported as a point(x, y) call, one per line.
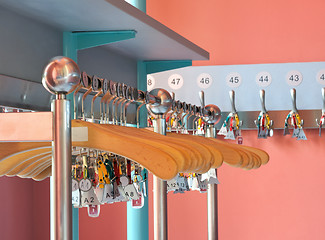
point(160, 193)
point(61, 215)
point(212, 197)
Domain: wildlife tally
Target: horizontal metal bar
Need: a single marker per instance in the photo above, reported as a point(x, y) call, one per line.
point(278, 117)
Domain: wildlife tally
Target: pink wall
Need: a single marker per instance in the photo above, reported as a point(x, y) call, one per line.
point(24, 211)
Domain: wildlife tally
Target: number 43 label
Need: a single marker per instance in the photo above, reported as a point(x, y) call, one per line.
point(294, 78)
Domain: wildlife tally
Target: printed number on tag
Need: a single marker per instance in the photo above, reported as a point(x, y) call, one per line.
point(321, 77)
point(85, 185)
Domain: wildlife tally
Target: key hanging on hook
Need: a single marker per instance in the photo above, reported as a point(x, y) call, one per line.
point(321, 122)
point(263, 122)
point(96, 87)
point(231, 128)
point(293, 118)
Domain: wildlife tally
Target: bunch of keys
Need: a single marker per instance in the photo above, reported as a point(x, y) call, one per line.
point(231, 128)
point(294, 119)
point(321, 122)
point(263, 123)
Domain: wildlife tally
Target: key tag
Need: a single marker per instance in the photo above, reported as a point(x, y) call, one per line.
point(93, 210)
point(203, 184)
point(195, 182)
point(108, 196)
point(172, 185)
point(182, 182)
point(131, 192)
point(213, 177)
point(75, 193)
point(89, 198)
point(139, 203)
point(123, 178)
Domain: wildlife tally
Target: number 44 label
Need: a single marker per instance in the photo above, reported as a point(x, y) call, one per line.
point(263, 79)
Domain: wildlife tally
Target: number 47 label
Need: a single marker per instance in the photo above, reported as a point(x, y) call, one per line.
point(175, 81)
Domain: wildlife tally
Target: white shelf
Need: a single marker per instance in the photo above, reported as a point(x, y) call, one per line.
point(154, 41)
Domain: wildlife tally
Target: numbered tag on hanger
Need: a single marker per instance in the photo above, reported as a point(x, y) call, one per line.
point(131, 192)
point(212, 177)
point(99, 194)
point(223, 130)
point(182, 183)
point(76, 198)
point(121, 197)
point(301, 135)
point(195, 184)
point(172, 185)
point(85, 185)
point(108, 194)
point(295, 132)
point(89, 198)
point(74, 185)
point(203, 185)
point(230, 135)
point(124, 180)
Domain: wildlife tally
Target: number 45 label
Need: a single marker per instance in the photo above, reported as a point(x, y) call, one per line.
point(233, 80)
point(175, 81)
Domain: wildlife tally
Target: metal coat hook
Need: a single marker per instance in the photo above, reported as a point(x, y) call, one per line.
point(107, 94)
point(211, 114)
point(87, 84)
point(294, 119)
point(263, 122)
point(231, 126)
point(75, 106)
point(96, 87)
point(141, 98)
point(321, 122)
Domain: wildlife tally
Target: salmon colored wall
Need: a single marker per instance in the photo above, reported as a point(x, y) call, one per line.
point(24, 209)
point(250, 31)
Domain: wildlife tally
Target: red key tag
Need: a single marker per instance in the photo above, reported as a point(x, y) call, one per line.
point(93, 210)
point(138, 203)
point(240, 140)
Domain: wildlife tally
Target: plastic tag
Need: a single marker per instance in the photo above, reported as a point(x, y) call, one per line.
point(301, 135)
point(93, 210)
point(89, 198)
point(75, 185)
point(99, 194)
point(124, 180)
point(76, 198)
point(131, 192)
point(195, 184)
point(182, 183)
point(223, 131)
point(230, 135)
point(240, 140)
point(85, 185)
point(295, 132)
point(108, 193)
point(121, 197)
point(139, 203)
point(203, 185)
point(213, 177)
point(172, 184)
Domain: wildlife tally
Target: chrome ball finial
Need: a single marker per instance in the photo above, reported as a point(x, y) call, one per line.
point(159, 101)
point(211, 114)
point(61, 75)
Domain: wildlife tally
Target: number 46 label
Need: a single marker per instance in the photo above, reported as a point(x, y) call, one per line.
point(204, 80)
point(175, 81)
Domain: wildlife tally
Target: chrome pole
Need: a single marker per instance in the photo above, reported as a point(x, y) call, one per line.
point(60, 77)
point(61, 208)
point(212, 197)
point(160, 193)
